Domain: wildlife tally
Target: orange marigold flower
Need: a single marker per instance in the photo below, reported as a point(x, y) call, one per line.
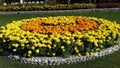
point(43, 26)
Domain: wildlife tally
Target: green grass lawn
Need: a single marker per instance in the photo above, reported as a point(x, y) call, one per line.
point(109, 61)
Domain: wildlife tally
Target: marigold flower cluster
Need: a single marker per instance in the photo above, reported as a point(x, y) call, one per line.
point(96, 35)
point(59, 25)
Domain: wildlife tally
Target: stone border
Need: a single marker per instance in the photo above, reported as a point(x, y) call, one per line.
point(60, 60)
point(63, 11)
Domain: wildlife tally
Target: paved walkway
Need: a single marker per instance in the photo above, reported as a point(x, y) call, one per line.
point(65, 11)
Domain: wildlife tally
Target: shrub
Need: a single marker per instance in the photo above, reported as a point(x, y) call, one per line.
point(108, 5)
point(45, 7)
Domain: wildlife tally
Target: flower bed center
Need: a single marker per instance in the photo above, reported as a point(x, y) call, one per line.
point(59, 25)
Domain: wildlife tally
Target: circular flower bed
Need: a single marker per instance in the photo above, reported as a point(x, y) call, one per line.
point(60, 36)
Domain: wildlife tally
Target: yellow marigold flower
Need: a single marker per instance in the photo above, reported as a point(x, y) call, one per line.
point(96, 44)
point(109, 38)
point(49, 46)
point(43, 45)
point(4, 40)
point(41, 38)
point(29, 52)
point(33, 41)
point(63, 50)
point(36, 44)
point(62, 47)
point(16, 45)
point(101, 46)
point(1, 35)
point(79, 54)
point(33, 48)
point(97, 49)
point(78, 42)
point(37, 51)
point(57, 40)
point(77, 50)
point(54, 45)
point(87, 53)
point(91, 53)
point(49, 42)
point(14, 50)
point(54, 54)
point(28, 55)
point(100, 41)
point(48, 53)
point(22, 44)
point(68, 42)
